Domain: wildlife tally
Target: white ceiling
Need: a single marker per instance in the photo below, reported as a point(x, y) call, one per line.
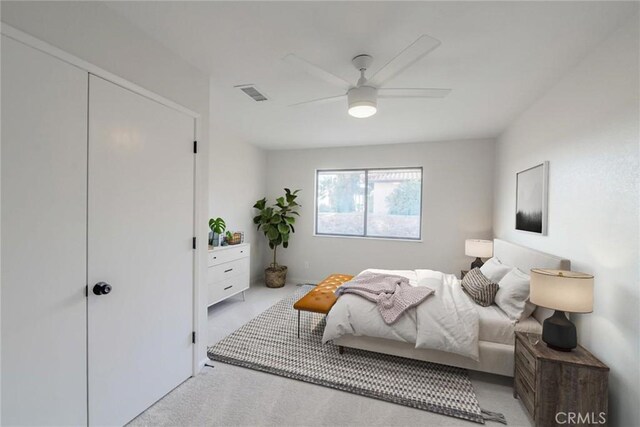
point(498, 57)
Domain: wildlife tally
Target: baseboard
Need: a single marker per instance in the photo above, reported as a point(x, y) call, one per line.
point(299, 280)
point(259, 281)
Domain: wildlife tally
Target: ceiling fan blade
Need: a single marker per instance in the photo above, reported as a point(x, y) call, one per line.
point(409, 56)
point(413, 93)
point(316, 71)
point(320, 100)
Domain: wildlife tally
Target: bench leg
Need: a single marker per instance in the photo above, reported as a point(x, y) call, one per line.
point(340, 349)
point(298, 323)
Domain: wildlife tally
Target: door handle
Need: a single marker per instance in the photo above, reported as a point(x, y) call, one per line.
point(226, 271)
point(101, 288)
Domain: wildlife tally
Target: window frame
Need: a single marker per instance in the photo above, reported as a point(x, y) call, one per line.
point(366, 204)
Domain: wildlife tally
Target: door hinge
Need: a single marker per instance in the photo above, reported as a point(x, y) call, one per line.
point(195, 147)
point(193, 337)
point(86, 291)
point(194, 243)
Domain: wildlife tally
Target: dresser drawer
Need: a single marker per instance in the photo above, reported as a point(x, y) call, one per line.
point(226, 254)
point(227, 270)
point(218, 291)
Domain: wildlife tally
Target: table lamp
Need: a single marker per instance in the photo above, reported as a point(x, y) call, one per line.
point(561, 291)
point(478, 249)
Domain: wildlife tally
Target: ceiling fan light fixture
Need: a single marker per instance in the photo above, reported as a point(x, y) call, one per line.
point(363, 101)
point(362, 111)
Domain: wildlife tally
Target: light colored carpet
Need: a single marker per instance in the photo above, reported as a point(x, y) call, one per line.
point(270, 343)
point(232, 396)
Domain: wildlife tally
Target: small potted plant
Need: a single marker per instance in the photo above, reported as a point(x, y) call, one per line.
point(276, 223)
point(217, 226)
point(228, 238)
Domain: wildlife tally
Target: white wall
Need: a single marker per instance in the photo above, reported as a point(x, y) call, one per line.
point(237, 178)
point(457, 204)
point(587, 127)
point(95, 33)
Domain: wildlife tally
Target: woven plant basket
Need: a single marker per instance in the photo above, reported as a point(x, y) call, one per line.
point(236, 239)
point(275, 277)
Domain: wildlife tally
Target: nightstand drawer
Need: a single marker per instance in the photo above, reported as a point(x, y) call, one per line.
point(524, 392)
point(523, 367)
point(528, 362)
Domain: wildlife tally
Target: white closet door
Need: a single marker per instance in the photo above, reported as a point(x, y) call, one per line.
point(44, 188)
point(141, 213)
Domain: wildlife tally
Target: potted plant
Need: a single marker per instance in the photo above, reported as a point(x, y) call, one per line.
point(276, 223)
point(217, 226)
point(228, 238)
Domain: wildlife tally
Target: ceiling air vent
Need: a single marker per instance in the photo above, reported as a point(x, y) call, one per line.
point(252, 92)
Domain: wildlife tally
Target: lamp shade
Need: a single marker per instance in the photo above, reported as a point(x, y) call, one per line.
point(562, 290)
point(478, 248)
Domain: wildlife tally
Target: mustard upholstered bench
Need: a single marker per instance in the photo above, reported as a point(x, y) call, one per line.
point(321, 298)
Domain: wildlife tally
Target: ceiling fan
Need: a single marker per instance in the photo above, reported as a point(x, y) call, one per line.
point(362, 98)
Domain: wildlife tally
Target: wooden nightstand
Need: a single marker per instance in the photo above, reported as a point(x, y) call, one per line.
point(554, 385)
point(463, 273)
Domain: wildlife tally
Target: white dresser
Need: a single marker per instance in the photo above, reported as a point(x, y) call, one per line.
point(228, 272)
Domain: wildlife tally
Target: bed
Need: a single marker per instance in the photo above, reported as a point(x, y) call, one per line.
point(496, 335)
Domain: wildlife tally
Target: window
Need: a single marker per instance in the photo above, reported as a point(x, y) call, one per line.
point(369, 203)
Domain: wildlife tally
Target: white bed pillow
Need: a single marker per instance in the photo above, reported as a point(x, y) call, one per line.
point(494, 270)
point(513, 295)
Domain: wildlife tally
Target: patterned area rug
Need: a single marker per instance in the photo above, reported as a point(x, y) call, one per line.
point(269, 343)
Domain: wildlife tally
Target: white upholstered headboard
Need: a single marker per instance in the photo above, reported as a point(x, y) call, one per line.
point(525, 259)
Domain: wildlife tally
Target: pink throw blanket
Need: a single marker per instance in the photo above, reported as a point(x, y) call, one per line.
point(392, 294)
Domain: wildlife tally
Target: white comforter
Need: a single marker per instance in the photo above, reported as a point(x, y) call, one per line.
point(445, 321)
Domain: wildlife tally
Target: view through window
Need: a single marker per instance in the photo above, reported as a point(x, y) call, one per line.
point(369, 202)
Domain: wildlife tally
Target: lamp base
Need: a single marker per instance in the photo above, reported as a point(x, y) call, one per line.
point(477, 263)
point(559, 332)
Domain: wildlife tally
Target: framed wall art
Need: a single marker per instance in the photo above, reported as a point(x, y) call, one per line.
point(531, 199)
